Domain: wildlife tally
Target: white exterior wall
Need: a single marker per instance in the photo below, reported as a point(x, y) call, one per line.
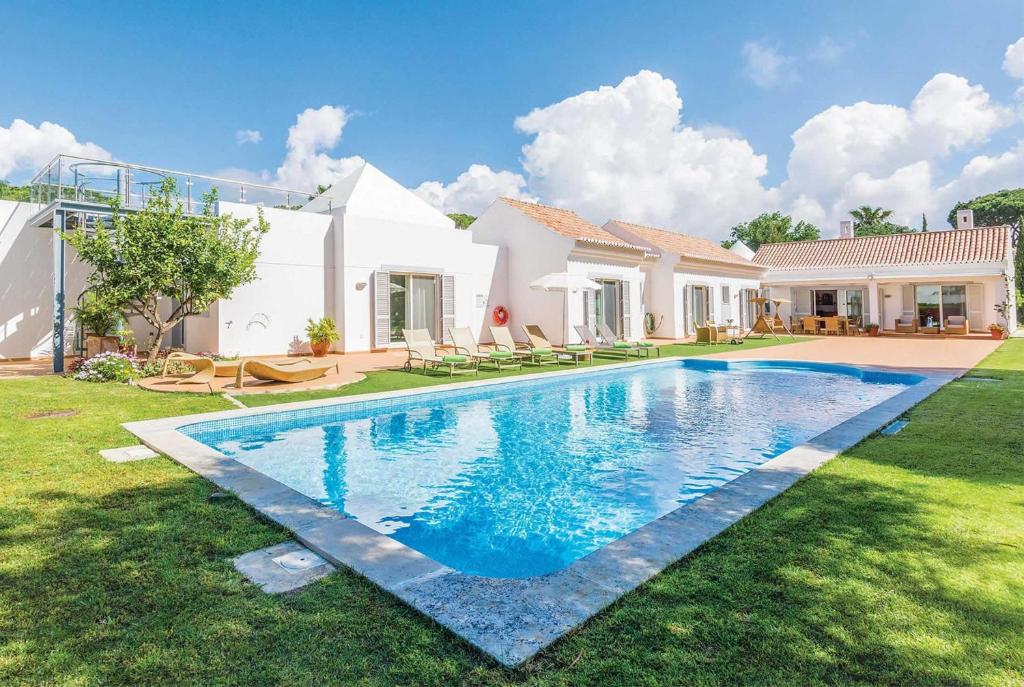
point(663, 299)
point(26, 285)
point(296, 282)
point(720, 311)
point(366, 245)
point(601, 265)
point(529, 251)
point(890, 302)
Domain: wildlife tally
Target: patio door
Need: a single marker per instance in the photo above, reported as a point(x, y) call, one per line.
point(608, 304)
point(700, 307)
point(413, 304)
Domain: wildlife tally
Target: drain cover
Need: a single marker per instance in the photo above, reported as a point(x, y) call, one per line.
point(298, 561)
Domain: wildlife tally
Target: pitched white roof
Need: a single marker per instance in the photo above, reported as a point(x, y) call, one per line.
point(369, 192)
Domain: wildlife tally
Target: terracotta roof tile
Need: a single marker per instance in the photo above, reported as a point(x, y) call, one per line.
point(979, 245)
point(567, 223)
point(685, 245)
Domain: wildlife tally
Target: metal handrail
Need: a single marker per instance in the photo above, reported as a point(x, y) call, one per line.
point(162, 171)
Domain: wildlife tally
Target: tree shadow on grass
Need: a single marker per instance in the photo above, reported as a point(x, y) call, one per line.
point(137, 587)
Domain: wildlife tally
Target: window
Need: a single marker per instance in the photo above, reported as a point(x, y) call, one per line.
point(954, 301)
point(928, 312)
point(725, 293)
point(413, 304)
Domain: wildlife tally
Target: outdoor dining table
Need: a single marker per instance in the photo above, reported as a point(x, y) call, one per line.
point(819, 323)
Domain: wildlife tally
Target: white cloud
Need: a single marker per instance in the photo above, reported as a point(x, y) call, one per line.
point(473, 190)
point(1013, 59)
point(306, 163)
point(766, 66)
point(828, 50)
point(26, 148)
point(622, 151)
point(243, 136)
point(888, 155)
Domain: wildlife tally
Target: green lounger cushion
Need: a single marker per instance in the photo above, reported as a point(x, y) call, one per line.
point(622, 344)
point(454, 359)
point(501, 355)
point(540, 351)
point(645, 344)
point(575, 348)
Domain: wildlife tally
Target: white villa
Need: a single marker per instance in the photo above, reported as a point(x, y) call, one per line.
point(693, 280)
point(378, 259)
point(921, 278)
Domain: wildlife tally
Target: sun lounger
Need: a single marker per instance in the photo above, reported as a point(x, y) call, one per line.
point(540, 342)
point(466, 344)
point(593, 340)
point(503, 341)
point(205, 368)
point(614, 341)
point(300, 370)
point(421, 349)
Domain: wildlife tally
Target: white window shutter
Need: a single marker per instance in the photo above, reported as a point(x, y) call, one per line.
point(382, 309)
point(447, 305)
point(688, 309)
point(589, 308)
point(627, 318)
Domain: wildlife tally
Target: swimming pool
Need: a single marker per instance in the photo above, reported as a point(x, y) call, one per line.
point(525, 477)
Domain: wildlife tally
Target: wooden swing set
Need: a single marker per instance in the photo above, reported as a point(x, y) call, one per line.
point(766, 324)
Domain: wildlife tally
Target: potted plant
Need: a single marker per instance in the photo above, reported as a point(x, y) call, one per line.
point(997, 331)
point(873, 329)
point(321, 335)
point(99, 322)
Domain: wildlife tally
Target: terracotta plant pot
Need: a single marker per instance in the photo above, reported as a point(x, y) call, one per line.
point(874, 331)
point(996, 333)
point(320, 348)
point(96, 344)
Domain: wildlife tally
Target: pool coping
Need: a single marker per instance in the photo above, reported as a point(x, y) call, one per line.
point(513, 619)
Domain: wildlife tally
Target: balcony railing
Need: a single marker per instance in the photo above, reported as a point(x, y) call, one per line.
point(68, 177)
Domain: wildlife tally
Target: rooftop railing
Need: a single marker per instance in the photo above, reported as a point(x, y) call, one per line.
point(68, 177)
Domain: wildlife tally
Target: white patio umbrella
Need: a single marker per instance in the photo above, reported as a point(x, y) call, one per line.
point(564, 282)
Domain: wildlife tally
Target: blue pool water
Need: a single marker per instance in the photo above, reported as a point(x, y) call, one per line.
point(526, 477)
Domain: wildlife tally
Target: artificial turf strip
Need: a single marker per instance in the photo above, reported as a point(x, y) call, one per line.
point(392, 380)
point(900, 562)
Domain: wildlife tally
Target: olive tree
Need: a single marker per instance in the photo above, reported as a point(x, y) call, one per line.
point(142, 258)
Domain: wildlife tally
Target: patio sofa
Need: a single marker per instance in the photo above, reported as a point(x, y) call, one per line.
point(957, 324)
point(906, 324)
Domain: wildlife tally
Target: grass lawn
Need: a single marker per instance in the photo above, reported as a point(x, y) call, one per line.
point(391, 380)
point(901, 562)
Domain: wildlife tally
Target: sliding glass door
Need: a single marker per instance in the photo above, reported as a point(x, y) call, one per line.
point(413, 304)
point(608, 304)
point(701, 310)
point(935, 303)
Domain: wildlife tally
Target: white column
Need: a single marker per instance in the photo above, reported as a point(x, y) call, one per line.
point(874, 303)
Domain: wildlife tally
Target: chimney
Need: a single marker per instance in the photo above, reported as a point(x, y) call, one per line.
point(965, 219)
point(846, 229)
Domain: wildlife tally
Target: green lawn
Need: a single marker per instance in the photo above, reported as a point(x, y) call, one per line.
point(901, 562)
point(391, 380)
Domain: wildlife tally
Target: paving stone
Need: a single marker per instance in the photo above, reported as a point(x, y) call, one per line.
point(282, 567)
point(127, 454)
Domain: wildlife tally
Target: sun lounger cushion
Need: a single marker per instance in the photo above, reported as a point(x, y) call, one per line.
point(645, 344)
point(956, 320)
point(454, 359)
point(540, 351)
point(501, 355)
point(575, 348)
point(622, 344)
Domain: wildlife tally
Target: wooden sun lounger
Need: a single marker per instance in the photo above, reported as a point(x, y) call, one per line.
point(421, 349)
point(466, 344)
point(205, 368)
point(301, 370)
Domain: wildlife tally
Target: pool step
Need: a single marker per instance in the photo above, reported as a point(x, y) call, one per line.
point(282, 567)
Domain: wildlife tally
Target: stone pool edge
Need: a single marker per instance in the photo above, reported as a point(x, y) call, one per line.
point(513, 619)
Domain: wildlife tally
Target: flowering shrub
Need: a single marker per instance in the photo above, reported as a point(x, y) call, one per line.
point(107, 367)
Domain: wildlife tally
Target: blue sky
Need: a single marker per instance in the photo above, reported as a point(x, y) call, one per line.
point(429, 89)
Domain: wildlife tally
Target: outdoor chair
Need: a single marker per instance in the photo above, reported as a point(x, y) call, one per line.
point(538, 341)
point(421, 349)
point(831, 326)
point(466, 344)
point(706, 335)
point(810, 325)
point(503, 341)
point(957, 324)
point(617, 343)
point(906, 324)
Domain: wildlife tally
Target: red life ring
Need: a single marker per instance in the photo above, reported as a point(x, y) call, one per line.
point(500, 315)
